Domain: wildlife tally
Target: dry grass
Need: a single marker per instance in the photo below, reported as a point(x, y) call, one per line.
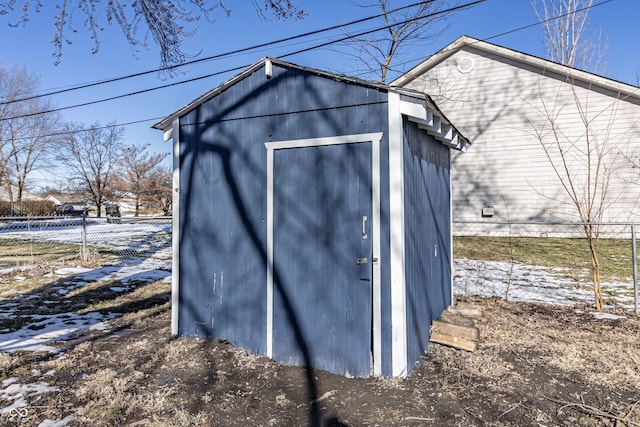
point(533, 359)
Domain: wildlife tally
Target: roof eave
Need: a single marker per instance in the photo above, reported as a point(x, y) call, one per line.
point(167, 122)
point(540, 63)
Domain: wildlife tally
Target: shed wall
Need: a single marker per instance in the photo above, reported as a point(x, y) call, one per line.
point(427, 235)
point(223, 193)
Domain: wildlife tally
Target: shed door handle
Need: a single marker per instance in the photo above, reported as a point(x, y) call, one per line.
point(364, 227)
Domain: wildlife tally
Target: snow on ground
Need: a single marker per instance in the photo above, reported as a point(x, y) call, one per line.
point(13, 390)
point(41, 334)
point(45, 330)
point(139, 243)
point(528, 283)
point(513, 281)
point(23, 397)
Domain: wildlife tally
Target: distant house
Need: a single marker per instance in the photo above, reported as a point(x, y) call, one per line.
point(312, 218)
point(126, 201)
point(53, 199)
point(502, 100)
point(12, 196)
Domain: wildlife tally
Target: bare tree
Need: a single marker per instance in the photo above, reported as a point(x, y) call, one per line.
point(162, 179)
point(138, 175)
point(567, 36)
point(581, 153)
point(405, 28)
point(91, 157)
point(168, 22)
point(26, 139)
point(584, 154)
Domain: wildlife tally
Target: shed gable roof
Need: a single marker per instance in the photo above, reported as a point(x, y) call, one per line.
point(429, 116)
point(264, 62)
point(516, 57)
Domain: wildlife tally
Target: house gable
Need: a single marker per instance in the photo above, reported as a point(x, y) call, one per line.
point(502, 100)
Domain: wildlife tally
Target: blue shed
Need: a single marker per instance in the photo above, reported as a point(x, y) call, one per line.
point(312, 218)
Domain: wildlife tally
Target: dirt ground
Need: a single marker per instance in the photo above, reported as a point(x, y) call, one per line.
point(537, 365)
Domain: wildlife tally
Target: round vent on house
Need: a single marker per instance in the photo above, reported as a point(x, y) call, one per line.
point(465, 64)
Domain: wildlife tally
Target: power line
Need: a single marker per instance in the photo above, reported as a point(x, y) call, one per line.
point(84, 104)
point(466, 5)
point(217, 56)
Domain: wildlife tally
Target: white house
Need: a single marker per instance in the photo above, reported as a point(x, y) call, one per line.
point(519, 111)
point(6, 195)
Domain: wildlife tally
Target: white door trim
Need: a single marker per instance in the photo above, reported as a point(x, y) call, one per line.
point(375, 139)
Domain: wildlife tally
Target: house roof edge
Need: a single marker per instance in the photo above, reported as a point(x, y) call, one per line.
point(545, 64)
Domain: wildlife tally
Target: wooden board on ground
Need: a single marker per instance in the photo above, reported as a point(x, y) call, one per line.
point(470, 333)
point(473, 313)
point(452, 341)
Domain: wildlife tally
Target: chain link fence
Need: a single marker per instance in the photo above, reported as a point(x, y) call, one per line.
point(31, 242)
point(545, 262)
point(533, 262)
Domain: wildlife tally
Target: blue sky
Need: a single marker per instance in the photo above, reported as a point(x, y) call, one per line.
point(30, 47)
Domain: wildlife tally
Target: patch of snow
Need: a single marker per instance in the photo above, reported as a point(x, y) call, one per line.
point(68, 271)
point(14, 269)
point(100, 326)
point(528, 283)
point(10, 381)
point(39, 336)
point(36, 373)
point(123, 274)
point(20, 392)
point(606, 316)
point(118, 289)
point(60, 423)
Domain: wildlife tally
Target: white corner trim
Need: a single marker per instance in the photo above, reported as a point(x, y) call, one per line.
point(451, 265)
point(269, 301)
point(396, 228)
point(175, 228)
point(375, 138)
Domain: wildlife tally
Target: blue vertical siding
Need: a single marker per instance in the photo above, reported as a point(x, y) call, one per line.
point(223, 194)
point(427, 235)
point(321, 194)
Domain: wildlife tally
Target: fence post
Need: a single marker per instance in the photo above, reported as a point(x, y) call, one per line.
point(84, 237)
point(635, 267)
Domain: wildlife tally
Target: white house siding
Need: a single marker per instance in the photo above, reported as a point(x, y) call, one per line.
point(499, 106)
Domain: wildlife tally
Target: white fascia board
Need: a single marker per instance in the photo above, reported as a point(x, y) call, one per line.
point(175, 228)
point(396, 228)
point(413, 107)
point(419, 112)
point(168, 134)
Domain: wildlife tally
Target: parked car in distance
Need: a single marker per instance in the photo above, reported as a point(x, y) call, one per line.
point(68, 209)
